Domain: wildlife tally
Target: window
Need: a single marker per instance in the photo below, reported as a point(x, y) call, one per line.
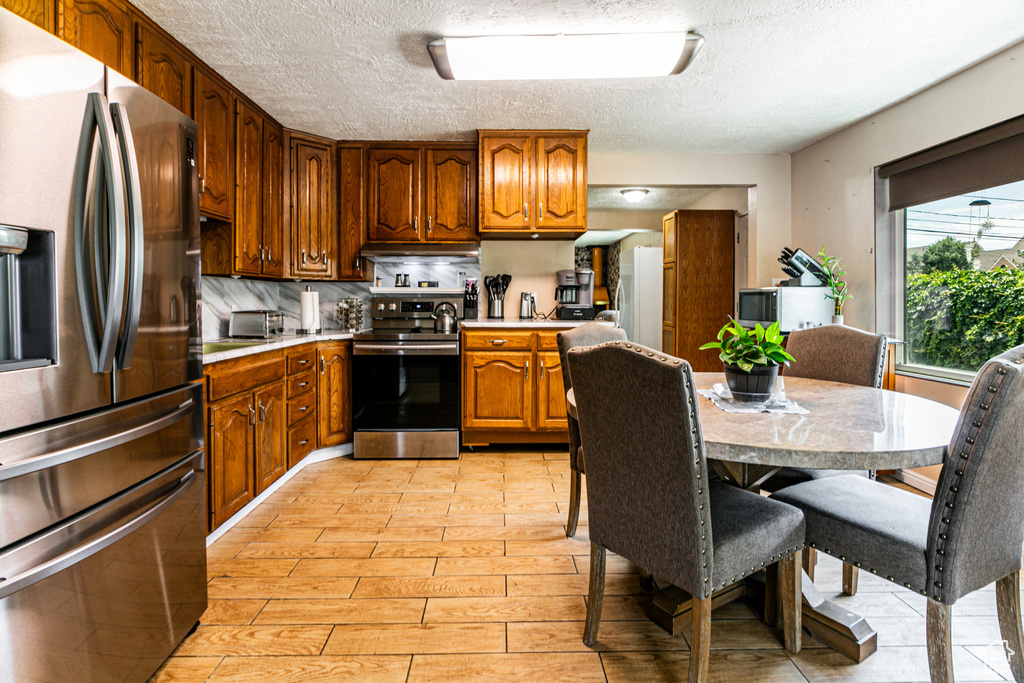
point(963, 293)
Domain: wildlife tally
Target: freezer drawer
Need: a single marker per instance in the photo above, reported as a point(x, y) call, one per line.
point(51, 473)
point(108, 595)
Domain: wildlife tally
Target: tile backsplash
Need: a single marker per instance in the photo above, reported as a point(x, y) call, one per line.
point(221, 295)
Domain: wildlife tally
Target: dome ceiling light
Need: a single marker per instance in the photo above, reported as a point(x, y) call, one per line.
point(634, 195)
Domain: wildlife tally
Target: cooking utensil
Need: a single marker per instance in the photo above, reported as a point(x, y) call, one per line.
point(505, 280)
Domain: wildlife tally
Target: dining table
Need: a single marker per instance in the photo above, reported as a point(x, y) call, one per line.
point(845, 427)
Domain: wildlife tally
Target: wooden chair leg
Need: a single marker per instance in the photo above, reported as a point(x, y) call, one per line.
point(700, 639)
point(595, 601)
point(792, 601)
point(574, 503)
point(647, 580)
point(810, 559)
point(850, 575)
point(940, 645)
point(1008, 608)
point(772, 587)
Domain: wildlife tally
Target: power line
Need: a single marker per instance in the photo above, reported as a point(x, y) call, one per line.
point(924, 231)
point(957, 215)
point(998, 199)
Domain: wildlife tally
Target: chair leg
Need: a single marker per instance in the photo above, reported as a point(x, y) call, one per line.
point(647, 580)
point(700, 639)
point(792, 601)
point(1008, 607)
point(595, 601)
point(574, 503)
point(772, 588)
point(850, 575)
point(810, 559)
point(940, 645)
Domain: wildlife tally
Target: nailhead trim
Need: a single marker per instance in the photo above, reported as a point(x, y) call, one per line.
point(870, 569)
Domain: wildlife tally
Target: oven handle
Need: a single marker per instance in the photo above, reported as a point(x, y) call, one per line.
point(360, 349)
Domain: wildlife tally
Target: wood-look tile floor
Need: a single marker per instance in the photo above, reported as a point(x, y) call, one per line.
point(461, 571)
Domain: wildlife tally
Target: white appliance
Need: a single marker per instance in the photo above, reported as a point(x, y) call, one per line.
point(638, 295)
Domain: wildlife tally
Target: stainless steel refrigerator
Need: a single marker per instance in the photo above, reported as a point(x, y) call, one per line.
point(638, 296)
point(102, 476)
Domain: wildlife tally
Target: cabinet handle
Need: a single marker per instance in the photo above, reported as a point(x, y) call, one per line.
point(263, 413)
point(527, 369)
point(252, 417)
point(540, 213)
point(263, 256)
point(202, 184)
point(302, 384)
point(542, 369)
point(304, 442)
point(303, 362)
point(323, 365)
point(416, 224)
point(356, 266)
point(303, 257)
point(498, 342)
point(430, 224)
point(303, 409)
point(268, 254)
point(526, 211)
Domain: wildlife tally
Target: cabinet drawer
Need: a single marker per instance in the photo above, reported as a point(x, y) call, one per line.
point(499, 340)
point(548, 341)
point(301, 360)
point(301, 440)
point(300, 384)
point(244, 376)
point(301, 406)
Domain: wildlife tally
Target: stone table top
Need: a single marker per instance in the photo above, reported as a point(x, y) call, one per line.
point(848, 428)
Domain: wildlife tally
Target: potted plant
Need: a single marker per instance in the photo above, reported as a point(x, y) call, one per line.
point(837, 287)
point(751, 359)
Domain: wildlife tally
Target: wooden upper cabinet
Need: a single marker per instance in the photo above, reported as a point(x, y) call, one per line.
point(506, 187)
point(562, 183)
point(351, 211)
point(395, 201)
point(312, 207)
point(215, 114)
point(249, 249)
point(163, 69)
point(100, 28)
point(273, 199)
point(451, 195)
point(39, 12)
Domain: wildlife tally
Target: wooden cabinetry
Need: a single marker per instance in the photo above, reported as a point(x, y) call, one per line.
point(231, 446)
point(335, 393)
point(533, 182)
point(273, 199)
point(352, 212)
point(421, 193)
point(215, 113)
point(302, 402)
point(697, 283)
point(311, 218)
point(99, 28)
point(270, 453)
point(248, 228)
point(39, 12)
point(163, 68)
point(512, 388)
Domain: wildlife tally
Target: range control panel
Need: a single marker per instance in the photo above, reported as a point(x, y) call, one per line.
point(384, 308)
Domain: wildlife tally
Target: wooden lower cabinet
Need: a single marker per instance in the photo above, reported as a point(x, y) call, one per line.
point(231, 447)
point(512, 395)
point(271, 435)
point(334, 413)
point(302, 402)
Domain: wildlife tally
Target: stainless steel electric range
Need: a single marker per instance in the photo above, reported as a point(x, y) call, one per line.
point(406, 387)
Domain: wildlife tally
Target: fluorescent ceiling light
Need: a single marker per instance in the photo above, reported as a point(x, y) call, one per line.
point(601, 55)
point(634, 195)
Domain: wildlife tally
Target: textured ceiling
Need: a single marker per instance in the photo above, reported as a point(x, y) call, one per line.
point(771, 77)
point(659, 198)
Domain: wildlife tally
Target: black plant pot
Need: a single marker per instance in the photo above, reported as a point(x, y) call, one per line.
point(752, 387)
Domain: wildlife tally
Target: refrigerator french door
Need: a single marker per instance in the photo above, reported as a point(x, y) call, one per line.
point(102, 478)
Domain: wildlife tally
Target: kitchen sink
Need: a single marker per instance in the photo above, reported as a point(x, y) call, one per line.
point(214, 347)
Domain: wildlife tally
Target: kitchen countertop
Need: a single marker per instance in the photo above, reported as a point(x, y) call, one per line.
point(262, 345)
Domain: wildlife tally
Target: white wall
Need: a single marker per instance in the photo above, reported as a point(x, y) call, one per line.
point(648, 238)
point(625, 220)
point(833, 181)
point(532, 265)
point(767, 176)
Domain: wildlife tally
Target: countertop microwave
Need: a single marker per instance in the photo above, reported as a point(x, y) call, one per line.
point(794, 307)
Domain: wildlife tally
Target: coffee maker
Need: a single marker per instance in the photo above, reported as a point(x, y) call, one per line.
point(575, 295)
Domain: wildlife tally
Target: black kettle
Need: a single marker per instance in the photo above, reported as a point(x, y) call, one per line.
point(445, 322)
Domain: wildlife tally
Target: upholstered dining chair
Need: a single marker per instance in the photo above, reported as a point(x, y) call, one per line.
point(969, 535)
point(835, 353)
point(584, 335)
point(651, 500)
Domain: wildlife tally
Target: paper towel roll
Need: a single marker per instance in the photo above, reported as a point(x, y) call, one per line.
point(309, 310)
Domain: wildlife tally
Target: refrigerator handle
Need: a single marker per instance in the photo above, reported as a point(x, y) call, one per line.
point(136, 231)
point(100, 335)
point(49, 568)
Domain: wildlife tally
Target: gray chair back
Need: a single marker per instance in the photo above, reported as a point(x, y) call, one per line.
point(647, 478)
point(976, 530)
point(837, 353)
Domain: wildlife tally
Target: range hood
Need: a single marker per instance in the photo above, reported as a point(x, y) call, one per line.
point(421, 252)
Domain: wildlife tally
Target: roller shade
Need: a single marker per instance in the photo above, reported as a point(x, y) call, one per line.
point(986, 158)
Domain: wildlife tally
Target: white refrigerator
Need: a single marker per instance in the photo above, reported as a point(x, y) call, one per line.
point(638, 295)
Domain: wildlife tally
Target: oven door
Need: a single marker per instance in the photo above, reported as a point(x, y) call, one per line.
point(406, 399)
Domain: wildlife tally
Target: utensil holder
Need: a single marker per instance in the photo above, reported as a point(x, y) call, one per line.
point(495, 308)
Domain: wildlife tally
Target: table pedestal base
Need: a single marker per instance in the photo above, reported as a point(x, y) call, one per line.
point(670, 607)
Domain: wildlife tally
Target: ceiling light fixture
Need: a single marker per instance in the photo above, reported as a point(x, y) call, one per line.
point(634, 195)
point(598, 55)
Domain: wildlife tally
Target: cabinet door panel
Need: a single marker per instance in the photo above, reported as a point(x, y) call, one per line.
point(215, 114)
point(352, 211)
point(100, 28)
point(39, 12)
point(231, 457)
point(498, 393)
point(271, 436)
point(551, 411)
point(249, 192)
point(561, 183)
point(506, 191)
point(335, 394)
point(395, 202)
point(312, 209)
point(273, 199)
point(164, 70)
point(451, 195)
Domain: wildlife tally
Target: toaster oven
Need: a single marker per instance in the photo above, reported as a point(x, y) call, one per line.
point(259, 324)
